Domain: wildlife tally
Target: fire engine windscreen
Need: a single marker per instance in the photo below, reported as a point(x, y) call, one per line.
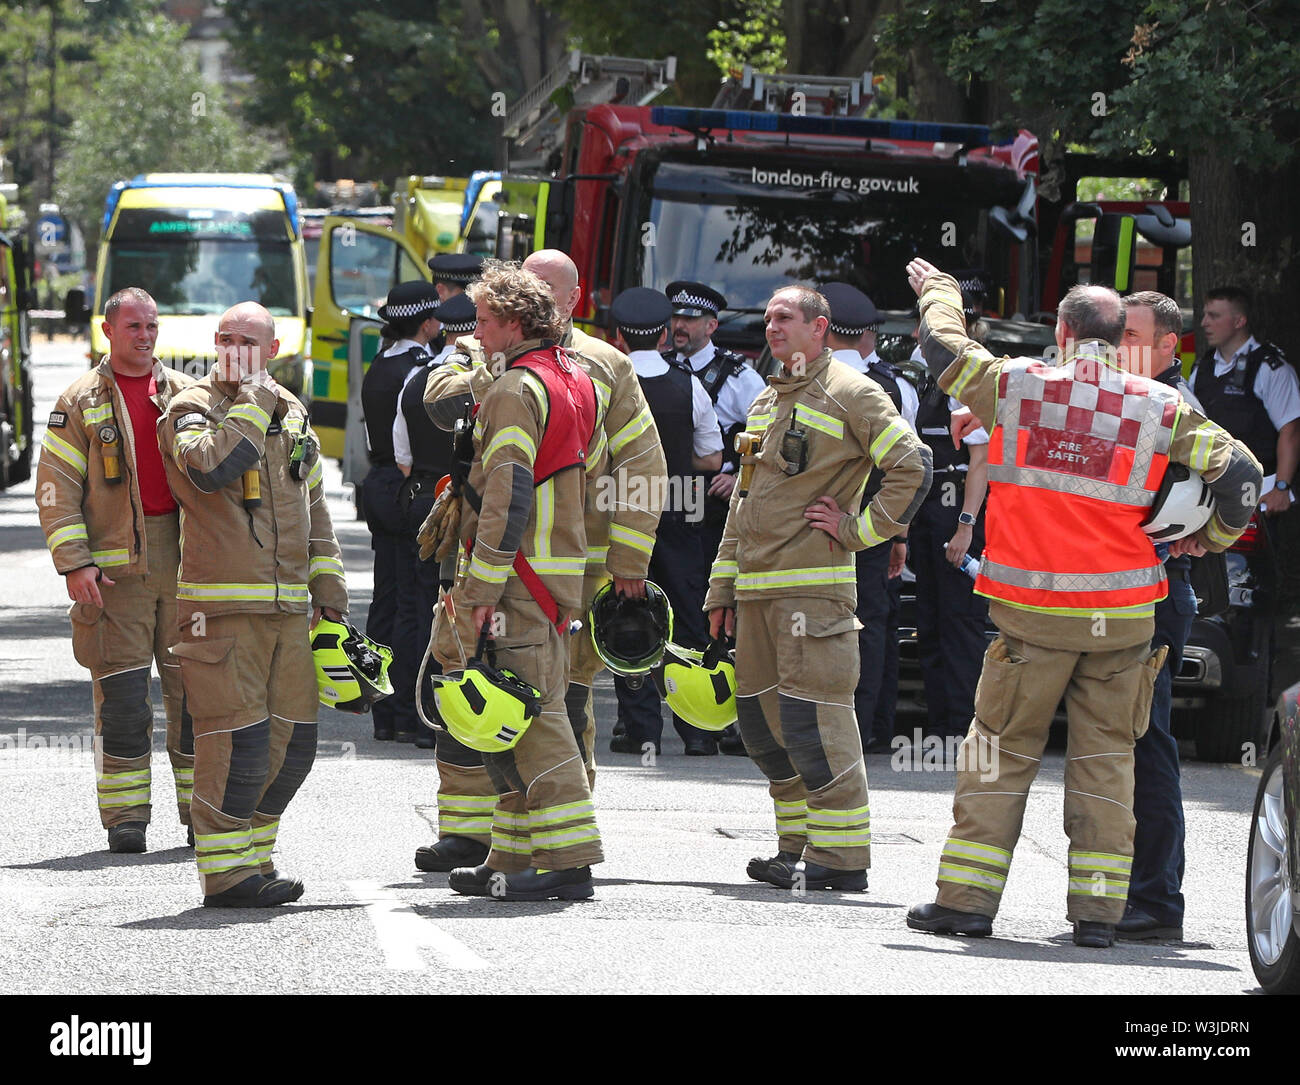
point(194, 265)
point(747, 230)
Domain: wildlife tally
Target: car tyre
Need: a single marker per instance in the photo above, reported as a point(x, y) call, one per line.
point(1271, 935)
point(1225, 725)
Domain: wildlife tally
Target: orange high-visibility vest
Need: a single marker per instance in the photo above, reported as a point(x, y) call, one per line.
point(1075, 460)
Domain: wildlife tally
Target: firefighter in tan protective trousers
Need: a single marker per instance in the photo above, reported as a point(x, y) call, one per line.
point(111, 524)
point(626, 483)
point(521, 567)
point(1076, 455)
point(785, 577)
point(258, 554)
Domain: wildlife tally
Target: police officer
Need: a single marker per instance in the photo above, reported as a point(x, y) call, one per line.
point(732, 384)
point(949, 527)
point(688, 428)
point(453, 271)
point(1249, 388)
point(423, 454)
point(1153, 325)
point(409, 325)
point(852, 339)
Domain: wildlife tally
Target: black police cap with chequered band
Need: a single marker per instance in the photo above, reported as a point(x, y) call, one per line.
point(408, 301)
point(694, 299)
point(641, 311)
point(852, 312)
point(457, 315)
point(461, 268)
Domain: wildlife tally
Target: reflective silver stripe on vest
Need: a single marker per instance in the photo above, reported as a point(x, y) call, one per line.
point(1070, 484)
point(1080, 582)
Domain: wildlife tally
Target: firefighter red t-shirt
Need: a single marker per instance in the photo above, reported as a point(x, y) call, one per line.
point(155, 494)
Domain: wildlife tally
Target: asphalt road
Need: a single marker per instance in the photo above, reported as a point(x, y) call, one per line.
point(673, 911)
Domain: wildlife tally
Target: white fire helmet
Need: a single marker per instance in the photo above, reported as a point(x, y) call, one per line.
point(1183, 505)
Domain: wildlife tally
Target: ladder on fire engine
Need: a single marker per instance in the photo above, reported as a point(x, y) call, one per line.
point(812, 95)
point(534, 125)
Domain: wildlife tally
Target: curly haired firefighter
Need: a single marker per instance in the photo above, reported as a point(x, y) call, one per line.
point(1077, 453)
point(111, 523)
point(625, 457)
point(257, 553)
point(785, 571)
point(521, 571)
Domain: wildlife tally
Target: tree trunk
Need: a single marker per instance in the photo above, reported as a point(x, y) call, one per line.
point(1244, 229)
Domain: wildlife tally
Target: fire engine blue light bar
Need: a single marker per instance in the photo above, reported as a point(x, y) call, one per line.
point(855, 127)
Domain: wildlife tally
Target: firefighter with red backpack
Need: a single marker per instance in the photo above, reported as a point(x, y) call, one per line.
point(519, 578)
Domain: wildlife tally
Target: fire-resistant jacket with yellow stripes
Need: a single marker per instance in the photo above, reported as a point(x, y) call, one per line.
point(1077, 452)
point(768, 547)
point(273, 558)
point(516, 516)
point(86, 519)
point(627, 475)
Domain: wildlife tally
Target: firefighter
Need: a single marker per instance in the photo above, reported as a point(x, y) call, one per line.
point(520, 575)
point(409, 326)
point(257, 554)
point(423, 454)
point(627, 460)
point(453, 271)
point(785, 583)
point(688, 428)
point(111, 524)
point(1076, 456)
point(851, 338)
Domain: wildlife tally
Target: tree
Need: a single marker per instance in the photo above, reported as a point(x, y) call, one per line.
point(148, 111)
point(375, 88)
point(1214, 82)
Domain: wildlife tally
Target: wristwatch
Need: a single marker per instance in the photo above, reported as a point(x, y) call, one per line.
point(966, 518)
point(1280, 485)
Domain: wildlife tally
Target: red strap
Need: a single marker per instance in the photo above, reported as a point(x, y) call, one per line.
point(536, 588)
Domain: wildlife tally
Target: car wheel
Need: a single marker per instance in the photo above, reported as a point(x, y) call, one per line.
point(1225, 725)
point(21, 470)
point(1270, 908)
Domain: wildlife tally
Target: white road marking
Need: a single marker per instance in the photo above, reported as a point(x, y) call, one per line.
point(401, 933)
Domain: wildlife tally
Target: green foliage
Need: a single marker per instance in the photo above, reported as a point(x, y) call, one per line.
point(1126, 76)
point(148, 110)
point(370, 89)
point(753, 35)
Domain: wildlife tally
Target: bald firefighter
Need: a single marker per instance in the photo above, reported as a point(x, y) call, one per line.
point(785, 582)
point(1077, 453)
point(259, 567)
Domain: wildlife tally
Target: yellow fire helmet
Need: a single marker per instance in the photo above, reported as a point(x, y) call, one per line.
point(699, 686)
point(351, 669)
point(485, 708)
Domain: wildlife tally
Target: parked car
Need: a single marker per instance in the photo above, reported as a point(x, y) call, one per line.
point(1222, 691)
point(1273, 856)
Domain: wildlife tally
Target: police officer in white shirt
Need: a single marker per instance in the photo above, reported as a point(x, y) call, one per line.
point(1249, 389)
point(692, 442)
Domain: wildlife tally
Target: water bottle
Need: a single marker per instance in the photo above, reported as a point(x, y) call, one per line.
point(969, 565)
